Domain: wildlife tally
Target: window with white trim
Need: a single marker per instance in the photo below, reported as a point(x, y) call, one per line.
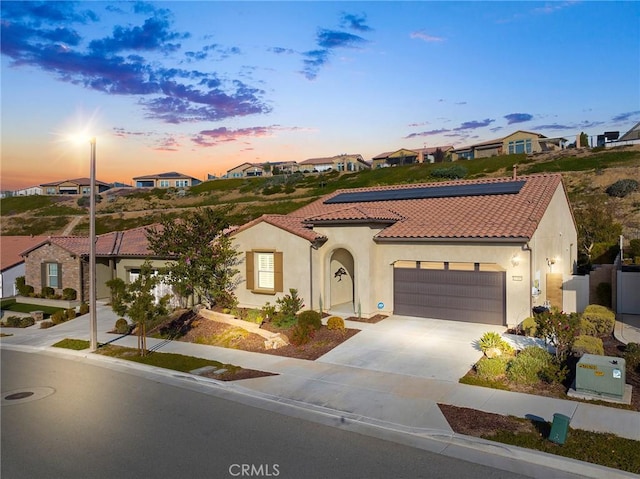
point(164, 183)
point(52, 275)
point(266, 270)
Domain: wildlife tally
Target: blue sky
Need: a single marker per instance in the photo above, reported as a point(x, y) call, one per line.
point(199, 87)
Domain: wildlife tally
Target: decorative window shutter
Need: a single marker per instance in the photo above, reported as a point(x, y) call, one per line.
point(278, 275)
point(43, 274)
point(60, 275)
point(250, 273)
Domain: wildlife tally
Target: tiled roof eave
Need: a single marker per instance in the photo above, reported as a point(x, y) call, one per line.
point(359, 221)
point(468, 239)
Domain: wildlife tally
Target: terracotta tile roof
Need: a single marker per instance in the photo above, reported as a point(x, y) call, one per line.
point(76, 181)
point(12, 246)
point(356, 213)
point(169, 174)
point(290, 223)
point(455, 217)
point(131, 242)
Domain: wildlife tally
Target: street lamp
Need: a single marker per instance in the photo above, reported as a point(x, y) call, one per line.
point(93, 321)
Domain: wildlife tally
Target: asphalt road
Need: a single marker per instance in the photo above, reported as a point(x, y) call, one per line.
point(105, 422)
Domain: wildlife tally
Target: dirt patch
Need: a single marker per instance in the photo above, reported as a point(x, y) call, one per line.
point(472, 422)
point(237, 374)
point(373, 319)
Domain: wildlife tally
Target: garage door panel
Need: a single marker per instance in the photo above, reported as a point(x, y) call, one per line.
point(473, 296)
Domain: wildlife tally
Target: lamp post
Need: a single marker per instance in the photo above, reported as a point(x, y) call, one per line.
point(93, 321)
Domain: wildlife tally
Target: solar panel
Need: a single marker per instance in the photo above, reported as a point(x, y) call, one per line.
point(424, 192)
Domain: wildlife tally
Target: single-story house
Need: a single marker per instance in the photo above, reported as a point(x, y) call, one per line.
point(170, 179)
point(517, 142)
point(63, 261)
point(345, 162)
point(11, 263)
point(484, 250)
point(77, 186)
point(394, 158)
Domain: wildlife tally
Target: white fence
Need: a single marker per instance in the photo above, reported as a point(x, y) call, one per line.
point(628, 292)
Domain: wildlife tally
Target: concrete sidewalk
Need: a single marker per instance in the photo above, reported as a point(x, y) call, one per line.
point(392, 405)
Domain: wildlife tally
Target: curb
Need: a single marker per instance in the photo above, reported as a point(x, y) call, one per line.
point(514, 459)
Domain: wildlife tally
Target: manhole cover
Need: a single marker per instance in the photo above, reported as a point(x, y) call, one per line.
point(21, 396)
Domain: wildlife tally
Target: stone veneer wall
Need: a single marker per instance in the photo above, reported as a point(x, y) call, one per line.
point(50, 253)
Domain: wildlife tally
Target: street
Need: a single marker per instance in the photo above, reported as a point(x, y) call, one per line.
point(105, 422)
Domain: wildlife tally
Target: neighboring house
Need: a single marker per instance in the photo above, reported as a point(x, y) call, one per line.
point(63, 261)
point(482, 251)
point(28, 191)
point(11, 263)
point(77, 186)
point(245, 170)
point(517, 142)
point(632, 137)
point(170, 179)
point(404, 156)
point(343, 162)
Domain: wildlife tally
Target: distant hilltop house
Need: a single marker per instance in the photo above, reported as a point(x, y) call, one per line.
point(343, 162)
point(405, 156)
point(170, 179)
point(632, 137)
point(77, 186)
point(518, 142)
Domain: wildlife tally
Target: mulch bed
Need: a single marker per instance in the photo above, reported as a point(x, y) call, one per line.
point(373, 319)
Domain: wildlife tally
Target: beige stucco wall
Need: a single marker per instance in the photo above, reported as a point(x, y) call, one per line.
point(522, 135)
point(295, 263)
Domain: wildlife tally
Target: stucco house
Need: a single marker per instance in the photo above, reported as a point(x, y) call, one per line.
point(11, 262)
point(171, 179)
point(63, 262)
point(345, 162)
point(76, 186)
point(517, 142)
point(484, 250)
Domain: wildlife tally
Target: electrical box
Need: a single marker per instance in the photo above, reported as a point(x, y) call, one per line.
point(601, 375)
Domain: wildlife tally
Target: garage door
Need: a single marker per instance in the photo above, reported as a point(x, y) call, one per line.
point(471, 296)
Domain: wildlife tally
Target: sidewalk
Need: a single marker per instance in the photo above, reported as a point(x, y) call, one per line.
point(395, 406)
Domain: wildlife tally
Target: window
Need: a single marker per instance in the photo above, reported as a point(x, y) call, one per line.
point(519, 146)
point(52, 275)
point(164, 183)
point(182, 183)
point(264, 271)
point(86, 190)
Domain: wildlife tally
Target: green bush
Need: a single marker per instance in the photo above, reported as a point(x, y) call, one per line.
point(587, 345)
point(290, 304)
point(558, 329)
point(48, 292)
point(492, 368)
point(622, 188)
point(449, 172)
point(46, 324)
point(631, 356)
point(27, 321)
point(335, 322)
point(491, 340)
point(84, 309)
point(529, 365)
point(310, 318)
point(529, 326)
point(301, 334)
point(23, 288)
point(587, 328)
point(12, 322)
point(70, 313)
point(122, 326)
point(634, 248)
point(19, 321)
point(602, 318)
point(58, 317)
point(69, 294)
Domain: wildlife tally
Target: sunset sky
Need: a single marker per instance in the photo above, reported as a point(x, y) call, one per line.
point(200, 87)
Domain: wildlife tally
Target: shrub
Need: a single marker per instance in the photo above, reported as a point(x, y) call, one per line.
point(122, 326)
point(310, 318)
point(335, 322)
point(529, 365)
point(492, 368)
point(70, 313)
point(622, 188)
point(602, 319)
point(23, 288)
point(529, 326)
point(290, 304)
point(587, 345)
point(48, 292)
point(559, 330)
point(269, 311)
point(449, 172)
point(12, 321)
point(631, 356)
point(84, 308)
point(27, 321)
point(301, 334)
point(493, 340)
point(45, 324)
point(58, 317)
point(634, 247)
point(69, 294)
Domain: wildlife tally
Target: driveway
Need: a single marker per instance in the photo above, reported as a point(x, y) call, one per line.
point(422, 347)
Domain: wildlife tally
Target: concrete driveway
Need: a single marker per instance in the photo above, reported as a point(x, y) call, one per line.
point(422, 347)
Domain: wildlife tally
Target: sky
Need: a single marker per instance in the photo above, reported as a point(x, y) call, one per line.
point(201, 87)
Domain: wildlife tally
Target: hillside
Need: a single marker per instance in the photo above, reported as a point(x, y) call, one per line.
point(587, 174)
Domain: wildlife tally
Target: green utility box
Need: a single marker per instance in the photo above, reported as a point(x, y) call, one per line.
point(601, 375)
point(559, 428)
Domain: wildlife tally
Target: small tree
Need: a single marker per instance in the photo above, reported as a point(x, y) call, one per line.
point(137, 301)
point(558, 329)
point(584, 139)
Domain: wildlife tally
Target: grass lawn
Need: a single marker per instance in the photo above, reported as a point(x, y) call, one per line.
point(28, 308)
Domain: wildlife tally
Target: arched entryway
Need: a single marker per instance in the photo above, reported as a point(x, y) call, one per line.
point(341, 269)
